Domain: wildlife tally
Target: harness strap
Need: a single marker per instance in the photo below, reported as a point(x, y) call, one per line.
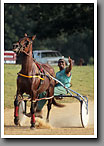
point(35, 76)
point(40, 68)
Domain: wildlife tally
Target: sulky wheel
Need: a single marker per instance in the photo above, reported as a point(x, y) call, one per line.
point(84, 114)
point(21, 113)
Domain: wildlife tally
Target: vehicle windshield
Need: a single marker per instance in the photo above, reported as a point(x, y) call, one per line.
point(51, 54)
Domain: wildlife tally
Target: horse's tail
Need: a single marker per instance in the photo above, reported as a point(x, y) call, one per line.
point(57, 104)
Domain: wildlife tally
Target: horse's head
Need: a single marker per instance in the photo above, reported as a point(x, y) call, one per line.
point(24, 44)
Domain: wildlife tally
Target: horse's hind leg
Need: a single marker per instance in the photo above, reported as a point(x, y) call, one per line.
point(50, 93)
point(32, 115)
point(49, 108)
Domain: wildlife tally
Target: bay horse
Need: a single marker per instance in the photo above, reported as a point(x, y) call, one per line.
point(32, 86)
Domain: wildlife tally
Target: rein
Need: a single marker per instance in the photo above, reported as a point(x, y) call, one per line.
point(29, 99)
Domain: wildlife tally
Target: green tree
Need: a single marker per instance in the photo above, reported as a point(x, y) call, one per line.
point(57, 26)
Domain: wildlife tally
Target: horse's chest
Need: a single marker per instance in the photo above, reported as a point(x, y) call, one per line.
point(27, 84)
point(24, 82)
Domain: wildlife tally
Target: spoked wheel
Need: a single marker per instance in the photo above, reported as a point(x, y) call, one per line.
point(21, 113)
point(84, 114)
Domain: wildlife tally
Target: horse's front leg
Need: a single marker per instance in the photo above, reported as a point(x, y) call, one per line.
point(33, 108)
point(32, 115)
point(16, 108)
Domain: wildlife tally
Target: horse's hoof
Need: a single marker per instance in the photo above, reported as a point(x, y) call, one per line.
point(28, 115)
point(16, 121)
point(32, 126)
point(47, 120)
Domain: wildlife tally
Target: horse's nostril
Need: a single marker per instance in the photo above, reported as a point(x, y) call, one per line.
point(15, 48)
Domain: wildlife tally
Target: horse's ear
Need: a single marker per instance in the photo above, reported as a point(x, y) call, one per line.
point(25, 34)
point(33, 37)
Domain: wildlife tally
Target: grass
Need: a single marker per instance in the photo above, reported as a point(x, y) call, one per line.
point(82, 82)
point(10, 75)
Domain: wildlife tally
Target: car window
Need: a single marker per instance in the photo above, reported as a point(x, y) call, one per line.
point(50, 54)
point(38, 54)
point(58, 54)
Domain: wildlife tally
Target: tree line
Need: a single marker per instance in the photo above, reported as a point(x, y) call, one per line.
point(66, 27)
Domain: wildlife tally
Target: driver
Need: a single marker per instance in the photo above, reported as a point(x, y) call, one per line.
point(64, 75)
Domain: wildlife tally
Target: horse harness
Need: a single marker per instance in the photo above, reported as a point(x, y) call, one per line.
point(40, 75)
point(41, 70)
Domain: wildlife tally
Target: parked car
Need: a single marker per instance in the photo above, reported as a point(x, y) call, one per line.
point(48, 56)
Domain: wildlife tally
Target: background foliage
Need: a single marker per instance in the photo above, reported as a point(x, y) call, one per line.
point(64, 27)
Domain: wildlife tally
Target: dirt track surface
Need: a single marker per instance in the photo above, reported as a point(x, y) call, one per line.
point(63, 121)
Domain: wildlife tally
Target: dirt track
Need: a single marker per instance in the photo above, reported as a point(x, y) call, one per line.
point(63, 121)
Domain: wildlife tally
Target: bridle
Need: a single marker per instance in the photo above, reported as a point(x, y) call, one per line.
point(21, 49)
point(23, 46)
